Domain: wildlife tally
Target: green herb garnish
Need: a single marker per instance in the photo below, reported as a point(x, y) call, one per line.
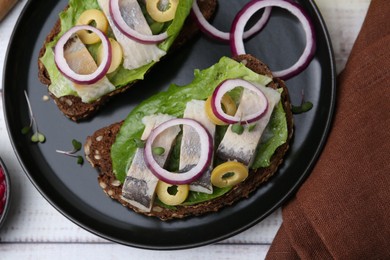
point(237, 128)
point(303, 107)
point(158, 150)
point(26, 129)
point(36, 136)
point(80, 160)
point(76, 147)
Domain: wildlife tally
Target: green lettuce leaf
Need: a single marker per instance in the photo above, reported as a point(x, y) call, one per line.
point(198, 197)
point(60, 86)
point(274, 136)
point(173, 102)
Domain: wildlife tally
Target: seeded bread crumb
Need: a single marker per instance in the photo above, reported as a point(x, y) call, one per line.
point(97, 151)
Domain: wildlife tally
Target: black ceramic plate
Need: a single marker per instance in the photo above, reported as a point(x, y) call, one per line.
point(73, 189)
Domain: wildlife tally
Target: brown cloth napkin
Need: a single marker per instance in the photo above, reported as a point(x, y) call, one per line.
point(5, 7)
point(342, 211)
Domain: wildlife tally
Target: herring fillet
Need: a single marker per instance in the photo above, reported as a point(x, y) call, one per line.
point(80, 61)
point(189, 150)
point(135, 54)
point(242, 147)
point(140, 183)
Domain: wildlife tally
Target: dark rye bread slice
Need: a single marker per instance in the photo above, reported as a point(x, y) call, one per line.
point(97, 151)
point(73, 107)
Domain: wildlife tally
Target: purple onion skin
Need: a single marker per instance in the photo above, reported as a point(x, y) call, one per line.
point(188, 181)
point(204, 30)
point(86, 82)
point(233, 46)
point(226, 120)
point(304, 65)
point(216, 37)
point(313, 49)
point(99, 76)
point(126, 33)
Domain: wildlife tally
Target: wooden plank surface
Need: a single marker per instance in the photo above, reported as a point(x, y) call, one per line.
point(35, 230)
point(113, 251)
point(344, 19)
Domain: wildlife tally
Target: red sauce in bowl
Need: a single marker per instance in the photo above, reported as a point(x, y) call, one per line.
point(3, 190)
point(5, 194)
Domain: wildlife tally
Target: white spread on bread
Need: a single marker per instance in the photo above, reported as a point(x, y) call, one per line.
point(135, 54)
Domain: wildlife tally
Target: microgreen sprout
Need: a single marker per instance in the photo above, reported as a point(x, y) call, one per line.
point(76, 147)
point(303, 107)
point(36, 136)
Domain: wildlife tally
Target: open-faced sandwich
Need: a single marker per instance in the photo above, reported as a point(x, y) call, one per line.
point(197, 148)
point(99, 48)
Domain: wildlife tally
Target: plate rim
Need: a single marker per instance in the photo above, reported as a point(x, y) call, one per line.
point(291, 191)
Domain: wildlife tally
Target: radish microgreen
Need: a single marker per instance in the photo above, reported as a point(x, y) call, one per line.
point(33, 126)
point(76, 147)
point(303, 107)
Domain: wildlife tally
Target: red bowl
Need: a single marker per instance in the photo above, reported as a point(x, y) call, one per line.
point(5, 192)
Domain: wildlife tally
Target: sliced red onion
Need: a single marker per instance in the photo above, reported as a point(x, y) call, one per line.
point(237, 44)
point(213, 32)
point(182, 177)
point(225, 87)
point(130, 32)
point(63, 65)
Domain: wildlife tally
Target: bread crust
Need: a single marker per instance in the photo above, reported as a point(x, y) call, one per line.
point(72, 106)
point(98, 153)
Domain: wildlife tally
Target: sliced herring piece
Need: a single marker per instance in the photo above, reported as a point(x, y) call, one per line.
point(81, 61)
point(189, 150)
point(242, 147)
point(135, 54)
point(140, 183)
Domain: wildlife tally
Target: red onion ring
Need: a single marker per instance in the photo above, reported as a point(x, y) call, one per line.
point(213, 32)
point(228, 85)
point(130, 32)
point(63, 65)
point(182, 177)
point(237, 44)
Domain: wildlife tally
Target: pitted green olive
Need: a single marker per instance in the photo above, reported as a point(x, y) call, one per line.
point(171, 194)
point(86, 18)
point(116, 58)
point(228, 105)
point(162, 10)
point(229, 174)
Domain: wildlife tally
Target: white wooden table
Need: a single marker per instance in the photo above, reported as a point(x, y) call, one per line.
point(35, 230)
